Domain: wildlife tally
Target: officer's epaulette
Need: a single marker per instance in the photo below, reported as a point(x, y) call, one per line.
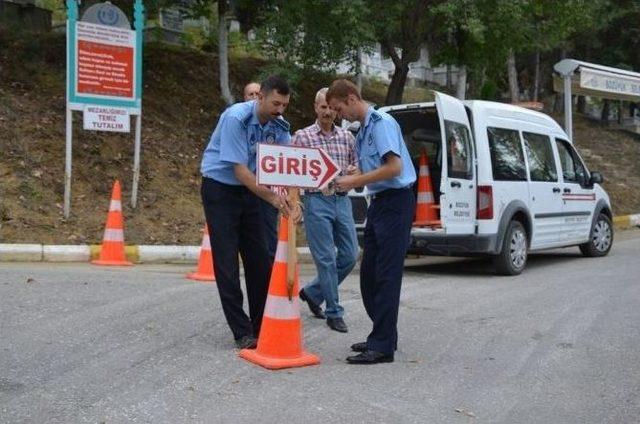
point(247, 118)
point(375, 116)
point(282, 124)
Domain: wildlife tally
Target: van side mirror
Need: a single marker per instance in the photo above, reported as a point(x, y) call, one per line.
point(596, 178)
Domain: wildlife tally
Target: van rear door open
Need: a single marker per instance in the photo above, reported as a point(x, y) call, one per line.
point(458, 182)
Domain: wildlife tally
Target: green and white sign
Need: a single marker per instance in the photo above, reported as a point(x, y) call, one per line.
point(104, 77)
point(609, 82)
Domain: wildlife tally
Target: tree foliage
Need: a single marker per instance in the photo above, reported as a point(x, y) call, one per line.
point(401, 28)
point(481, 33)
point(476, 35)
point(314, 33)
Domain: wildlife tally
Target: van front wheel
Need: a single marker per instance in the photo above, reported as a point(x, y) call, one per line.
point(513, 256)
point(600, 239)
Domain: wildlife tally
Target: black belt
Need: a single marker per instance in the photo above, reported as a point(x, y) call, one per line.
point(391, 191)
point(319, 193)
point(229, 187)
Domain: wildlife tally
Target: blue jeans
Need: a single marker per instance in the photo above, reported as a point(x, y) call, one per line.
point(332, 239)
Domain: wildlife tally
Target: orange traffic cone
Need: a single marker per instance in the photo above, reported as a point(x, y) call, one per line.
point(426, 214)
point(112, 252)
point(205, 262)
point(280, 341)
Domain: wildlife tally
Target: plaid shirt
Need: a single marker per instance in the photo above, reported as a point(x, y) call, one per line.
point(340, 145)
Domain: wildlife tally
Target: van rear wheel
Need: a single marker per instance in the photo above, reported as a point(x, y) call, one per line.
point(513, 256)
point(600, 239)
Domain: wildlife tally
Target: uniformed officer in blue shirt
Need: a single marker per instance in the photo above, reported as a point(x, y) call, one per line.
point(385, 168)
point(231, 199)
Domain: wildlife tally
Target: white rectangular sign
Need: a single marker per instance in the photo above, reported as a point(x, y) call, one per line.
point(289, 166)
point(605, 81)
point(106, 34)
point(104, 118)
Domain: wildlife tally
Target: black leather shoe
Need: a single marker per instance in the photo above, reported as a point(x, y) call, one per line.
point(369, 357)
point(359, 347)
point(246, 342)
point(337, 324)
point(362, 346)
point(316, 310)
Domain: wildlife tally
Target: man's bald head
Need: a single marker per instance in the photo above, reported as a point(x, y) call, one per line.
point(251, 91)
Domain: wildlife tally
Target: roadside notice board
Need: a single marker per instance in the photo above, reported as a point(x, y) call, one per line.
point(104, 77)
point(104, 57)
point(105, 61)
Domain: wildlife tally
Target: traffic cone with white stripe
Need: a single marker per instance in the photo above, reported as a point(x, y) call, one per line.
point(205, 262)
point(280, 340)
point(112, 251)
point(426, 214)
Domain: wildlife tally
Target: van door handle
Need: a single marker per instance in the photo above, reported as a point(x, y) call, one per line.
point(567, 190)
point(556, 189)
point(456, 184)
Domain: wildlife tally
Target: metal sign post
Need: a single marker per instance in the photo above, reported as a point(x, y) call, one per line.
point(104, 77)
point(591, 79)
point(568, 107)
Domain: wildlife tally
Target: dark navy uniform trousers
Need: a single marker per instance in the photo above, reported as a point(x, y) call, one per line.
point(270, 220)
point(236, 225)
point(386, 240)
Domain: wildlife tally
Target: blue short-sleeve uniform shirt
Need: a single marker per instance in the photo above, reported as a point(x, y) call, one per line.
point(379, 135)
point(235, 141)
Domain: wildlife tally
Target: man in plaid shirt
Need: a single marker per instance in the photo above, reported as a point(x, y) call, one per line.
point(328, 218)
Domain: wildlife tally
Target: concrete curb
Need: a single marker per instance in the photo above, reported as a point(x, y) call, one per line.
point(149, 254)
point(21, 252)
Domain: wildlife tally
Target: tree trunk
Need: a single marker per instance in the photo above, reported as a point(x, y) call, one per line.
point(536, 76)
point(396, 87)
point(448, 75)
point(581, 105)
point(558, 103)
point(513, 77)
point(223, 52)
point(604, 117)
point(461, 84)
point(620, 112)
point(359, 69)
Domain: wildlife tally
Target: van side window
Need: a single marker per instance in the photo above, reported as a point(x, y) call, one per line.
point(542, 166)
point(572, 168)
point(459, 155)
point(507, 159)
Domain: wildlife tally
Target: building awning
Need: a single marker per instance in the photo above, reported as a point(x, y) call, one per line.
point(590, 79)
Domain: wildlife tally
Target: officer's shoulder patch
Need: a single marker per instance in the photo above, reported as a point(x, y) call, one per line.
point(375, 116)
point(246, 118)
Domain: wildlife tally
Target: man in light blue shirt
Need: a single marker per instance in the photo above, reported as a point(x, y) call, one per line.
point(387, 171)
point(231, 198)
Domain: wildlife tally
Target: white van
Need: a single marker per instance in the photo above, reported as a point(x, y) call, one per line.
point(507, 180)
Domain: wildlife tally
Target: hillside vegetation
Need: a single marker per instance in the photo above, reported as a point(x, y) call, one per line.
point(181, 104)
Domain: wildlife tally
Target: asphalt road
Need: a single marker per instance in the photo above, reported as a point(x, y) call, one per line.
point(558, 344)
